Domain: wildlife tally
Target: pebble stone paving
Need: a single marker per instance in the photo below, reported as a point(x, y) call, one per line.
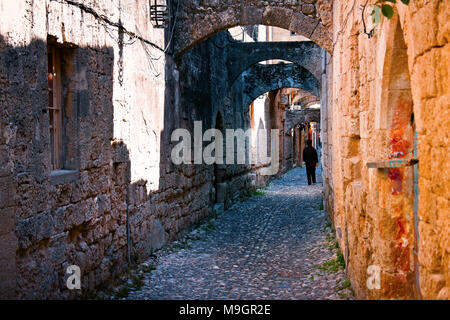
point(267, 247)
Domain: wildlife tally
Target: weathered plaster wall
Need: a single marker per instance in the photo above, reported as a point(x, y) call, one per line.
point(305, 99)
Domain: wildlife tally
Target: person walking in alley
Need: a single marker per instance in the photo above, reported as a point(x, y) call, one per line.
point(311, 160)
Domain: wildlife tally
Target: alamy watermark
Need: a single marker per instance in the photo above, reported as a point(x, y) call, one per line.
point(374, 279)
point(74, 279)
point(232, 148)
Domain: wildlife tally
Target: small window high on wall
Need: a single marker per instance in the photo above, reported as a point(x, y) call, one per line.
point(54, 106)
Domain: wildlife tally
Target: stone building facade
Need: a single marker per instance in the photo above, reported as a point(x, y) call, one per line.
point(105, 193)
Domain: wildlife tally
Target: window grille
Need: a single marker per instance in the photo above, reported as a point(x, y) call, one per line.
point(159, 13)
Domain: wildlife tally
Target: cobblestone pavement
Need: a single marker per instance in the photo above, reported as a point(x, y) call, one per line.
point(278, 245)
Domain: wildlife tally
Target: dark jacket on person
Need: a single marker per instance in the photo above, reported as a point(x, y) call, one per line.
point(310, 156)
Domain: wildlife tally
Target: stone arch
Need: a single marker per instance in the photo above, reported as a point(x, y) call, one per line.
point(308, 101)
point(259, 79)
point(242, 55)
point(199, 19)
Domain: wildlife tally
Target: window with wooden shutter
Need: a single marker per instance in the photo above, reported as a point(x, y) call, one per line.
point(54, 105)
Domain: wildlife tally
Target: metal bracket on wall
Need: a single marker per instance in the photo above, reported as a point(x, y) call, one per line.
point(392, 163)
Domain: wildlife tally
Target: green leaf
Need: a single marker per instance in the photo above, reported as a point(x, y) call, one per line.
point(393, 1)
point(405, 1)
point(387, 11)
point(376, 15)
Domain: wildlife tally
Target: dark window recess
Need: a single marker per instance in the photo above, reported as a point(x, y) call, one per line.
point(62, 111)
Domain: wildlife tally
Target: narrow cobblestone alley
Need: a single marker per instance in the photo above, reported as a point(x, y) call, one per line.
point(156, 150)
point(275, 245)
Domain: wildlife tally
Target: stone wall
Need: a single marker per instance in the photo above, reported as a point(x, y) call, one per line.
point(381, 216)
point(78, 216)
point(120, 196)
